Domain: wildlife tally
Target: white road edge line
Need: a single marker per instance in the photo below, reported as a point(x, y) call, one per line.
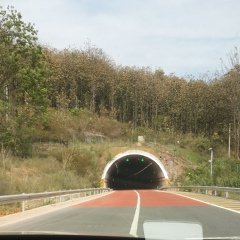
point(133, 230)
point(35, 212)
point(206, 202)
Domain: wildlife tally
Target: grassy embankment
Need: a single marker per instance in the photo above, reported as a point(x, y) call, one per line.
point(55, 166)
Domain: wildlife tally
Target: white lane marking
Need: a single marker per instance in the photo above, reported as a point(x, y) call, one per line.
point(208, 203)
point(133, 230)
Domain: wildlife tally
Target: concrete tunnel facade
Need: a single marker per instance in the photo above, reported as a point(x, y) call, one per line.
point(134, 169)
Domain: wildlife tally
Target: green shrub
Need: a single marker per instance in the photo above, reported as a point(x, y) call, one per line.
point(224, 175)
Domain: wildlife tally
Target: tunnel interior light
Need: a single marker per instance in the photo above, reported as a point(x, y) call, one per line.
point(142, 159)
point(127, 160)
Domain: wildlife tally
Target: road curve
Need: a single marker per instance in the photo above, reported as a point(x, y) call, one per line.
point(123, 213)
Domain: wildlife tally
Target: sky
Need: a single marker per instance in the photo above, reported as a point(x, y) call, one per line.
point(181, 37)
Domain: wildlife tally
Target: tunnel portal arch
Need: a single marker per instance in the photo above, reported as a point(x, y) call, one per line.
point(134, 169)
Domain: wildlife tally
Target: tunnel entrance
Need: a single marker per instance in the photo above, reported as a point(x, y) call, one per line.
point(134, 169)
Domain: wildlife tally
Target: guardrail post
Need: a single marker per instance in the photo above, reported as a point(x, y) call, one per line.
point(215, 193)
point(206, 191)
point(23, 205)
point(226, 194)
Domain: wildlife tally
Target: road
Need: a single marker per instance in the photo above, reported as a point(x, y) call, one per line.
point(124, 212)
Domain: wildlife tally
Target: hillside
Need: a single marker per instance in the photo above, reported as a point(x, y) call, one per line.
point(77, 166)
point(66, 153)
point(71, 150)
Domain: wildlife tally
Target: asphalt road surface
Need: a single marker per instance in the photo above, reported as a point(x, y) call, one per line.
point(123, 213)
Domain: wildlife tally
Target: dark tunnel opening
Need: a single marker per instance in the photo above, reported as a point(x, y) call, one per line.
point(134, 172)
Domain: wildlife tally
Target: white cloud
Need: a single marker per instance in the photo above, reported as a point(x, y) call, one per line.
point(181, 36)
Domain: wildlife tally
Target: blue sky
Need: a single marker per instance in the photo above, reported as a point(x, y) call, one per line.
point(184, 37)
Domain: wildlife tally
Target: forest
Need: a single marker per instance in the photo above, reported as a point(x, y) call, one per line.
point(35, 78)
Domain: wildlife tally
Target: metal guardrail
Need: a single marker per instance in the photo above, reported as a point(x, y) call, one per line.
point(34, 196)
point(207, 189)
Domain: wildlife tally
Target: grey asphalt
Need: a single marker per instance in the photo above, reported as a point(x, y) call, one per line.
point(216, 222)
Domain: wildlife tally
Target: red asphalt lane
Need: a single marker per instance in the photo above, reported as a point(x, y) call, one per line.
point(148, 198)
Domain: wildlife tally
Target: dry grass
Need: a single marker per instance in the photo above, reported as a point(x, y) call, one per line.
point(7, 209)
